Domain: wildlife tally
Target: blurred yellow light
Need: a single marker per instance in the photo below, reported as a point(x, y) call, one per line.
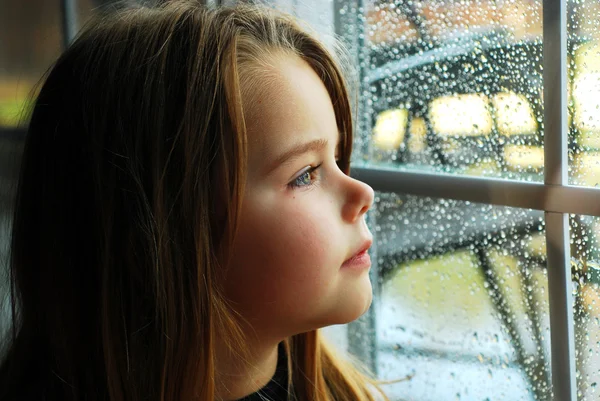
point(536, 246)
point(390, 129)
point(461, 115)
point(15, 103)
point(587, 169)
point(417, 141)
point(484, 167)
point(11, 112)
point(509, 272)
point(523, 157)
point(590, 298)
point(586, 94)
point(418, 286)
point(514, 114)
point(587, 58)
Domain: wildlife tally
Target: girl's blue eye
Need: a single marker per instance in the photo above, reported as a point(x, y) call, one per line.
point(305, 179)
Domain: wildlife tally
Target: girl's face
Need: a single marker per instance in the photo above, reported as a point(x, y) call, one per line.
point(301, 216)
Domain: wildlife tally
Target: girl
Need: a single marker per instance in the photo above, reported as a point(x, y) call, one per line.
point(185, 222)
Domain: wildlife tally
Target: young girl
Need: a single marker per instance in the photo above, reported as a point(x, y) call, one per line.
point(185, 222)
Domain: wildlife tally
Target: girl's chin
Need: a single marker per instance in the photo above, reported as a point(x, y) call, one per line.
point(359, 305)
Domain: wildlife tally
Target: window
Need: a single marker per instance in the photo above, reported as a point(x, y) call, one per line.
point(478, 129)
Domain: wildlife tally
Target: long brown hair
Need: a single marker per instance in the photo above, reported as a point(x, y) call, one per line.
point(129, 192)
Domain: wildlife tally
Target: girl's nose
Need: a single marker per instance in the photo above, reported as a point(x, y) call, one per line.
point(359, 199)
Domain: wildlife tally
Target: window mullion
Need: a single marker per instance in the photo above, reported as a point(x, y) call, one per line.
point(562, 335)
point(69, 21)
point(493, 191)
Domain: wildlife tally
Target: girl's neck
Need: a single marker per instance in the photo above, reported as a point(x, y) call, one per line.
point(236, 379)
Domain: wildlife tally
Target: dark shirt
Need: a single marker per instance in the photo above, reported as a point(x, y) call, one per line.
point(276, 388)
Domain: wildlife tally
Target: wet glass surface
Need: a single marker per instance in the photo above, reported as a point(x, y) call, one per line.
point(462, 305)
point(585, 270)
point(455, 86)
point(584, 96)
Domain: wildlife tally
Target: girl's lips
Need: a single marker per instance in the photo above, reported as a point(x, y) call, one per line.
point(360, 260)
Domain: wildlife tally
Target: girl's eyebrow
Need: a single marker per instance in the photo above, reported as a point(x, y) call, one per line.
point(316, 145)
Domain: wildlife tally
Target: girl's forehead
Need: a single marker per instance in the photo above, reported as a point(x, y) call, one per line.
point(293, 105)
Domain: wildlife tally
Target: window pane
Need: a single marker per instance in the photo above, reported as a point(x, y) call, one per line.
point(585, 240)
point(456, 86)
point(584, 96)
point(462, 306)
point(30, 40)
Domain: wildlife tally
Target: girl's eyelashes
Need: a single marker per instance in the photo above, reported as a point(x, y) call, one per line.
point(306, 178)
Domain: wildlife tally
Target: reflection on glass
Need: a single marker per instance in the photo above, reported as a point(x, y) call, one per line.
point(392, 24)
point(463, 303)
point(471, 70)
